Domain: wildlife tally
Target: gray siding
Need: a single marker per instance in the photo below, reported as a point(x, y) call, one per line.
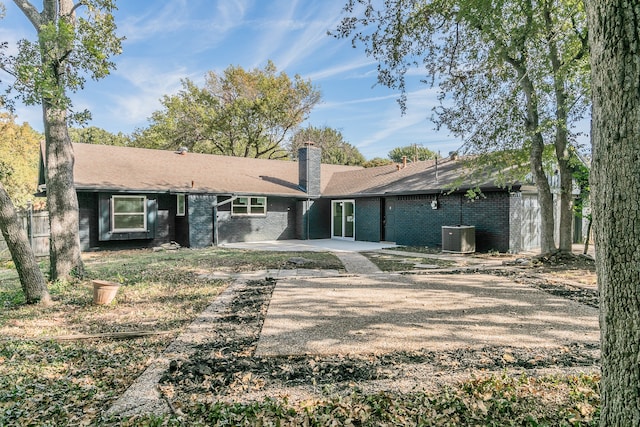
point(515, 223)
point(278, 224)
point(88, 210)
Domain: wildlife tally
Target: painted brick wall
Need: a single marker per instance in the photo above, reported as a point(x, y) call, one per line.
point(278, 224)
point(200, 214)
point(490, 216)
point(320, 220)
point(368, 219)
point(417, 224)
point(309, 159)
point(303, 208)
point(318, 215)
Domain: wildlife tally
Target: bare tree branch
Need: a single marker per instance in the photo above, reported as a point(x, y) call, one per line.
point(30, 12)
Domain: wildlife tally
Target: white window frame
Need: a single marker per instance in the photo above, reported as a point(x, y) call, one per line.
point(181, 204)
point(114, 214)
point(251, 208)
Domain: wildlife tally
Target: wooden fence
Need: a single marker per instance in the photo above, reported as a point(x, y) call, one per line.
point(36, 224)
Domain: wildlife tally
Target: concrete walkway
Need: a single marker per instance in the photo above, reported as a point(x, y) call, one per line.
point(143, 395)
point(348, 251)
point(356, 263)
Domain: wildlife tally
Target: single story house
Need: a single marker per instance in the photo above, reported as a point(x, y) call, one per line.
point(136, 197)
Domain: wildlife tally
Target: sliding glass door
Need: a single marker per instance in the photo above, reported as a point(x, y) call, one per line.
point(343, 219)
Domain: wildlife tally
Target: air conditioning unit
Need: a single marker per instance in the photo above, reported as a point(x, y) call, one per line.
point(459, 239)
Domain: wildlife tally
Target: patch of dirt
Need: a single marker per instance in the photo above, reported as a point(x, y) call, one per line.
point(225, 368)
point(565, 260)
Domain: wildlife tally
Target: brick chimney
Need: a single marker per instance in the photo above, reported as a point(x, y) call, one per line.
point(309, 168)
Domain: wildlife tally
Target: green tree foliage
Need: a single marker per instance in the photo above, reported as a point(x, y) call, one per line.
point(238, 113)
point(335, 150)
point(75, 41)
point(96, 135)
point(377, 161)
point(19, 155)
point(512, 74)
point(412, 153)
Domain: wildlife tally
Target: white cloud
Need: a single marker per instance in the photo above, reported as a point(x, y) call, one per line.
point(338, 104)
point(230, 13)
point(295, 35)
point(155, 22)
point(342, 68)
point(419, 104)
point(148, 83)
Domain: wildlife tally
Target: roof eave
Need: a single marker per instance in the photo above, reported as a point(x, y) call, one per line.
point(101, 189)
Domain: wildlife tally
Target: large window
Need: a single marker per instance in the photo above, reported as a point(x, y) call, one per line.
point(249, 206)
point(128, 213)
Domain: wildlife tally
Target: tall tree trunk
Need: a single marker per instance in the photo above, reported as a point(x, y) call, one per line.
point(62, 200)
point(614, 37)
point(31, 278)
point(565, 217)
point(565, 226)
point(532, 124)
point(588, 238)
point(545, 198)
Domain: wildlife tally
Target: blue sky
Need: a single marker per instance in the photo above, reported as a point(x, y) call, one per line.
point(168, 40)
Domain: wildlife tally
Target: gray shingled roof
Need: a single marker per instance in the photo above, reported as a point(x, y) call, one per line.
point(418, 177)
point(112, 168)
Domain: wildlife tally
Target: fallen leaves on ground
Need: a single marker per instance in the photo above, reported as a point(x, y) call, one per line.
point(43, 382)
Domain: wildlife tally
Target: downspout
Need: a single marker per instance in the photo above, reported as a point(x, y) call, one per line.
point(308, 154)
point(308, 217)
point(215, 222)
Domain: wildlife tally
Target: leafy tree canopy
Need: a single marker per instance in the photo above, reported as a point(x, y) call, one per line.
point(74, 41)
point(412, 152)
point(236, 113)
point(19, 156)
point(335, 150)
point(480, 54)
point(96, 135)
point(79, 38)
point(377, 161)
point(512, 74)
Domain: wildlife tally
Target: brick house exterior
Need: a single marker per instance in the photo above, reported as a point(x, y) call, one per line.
point(133, 197)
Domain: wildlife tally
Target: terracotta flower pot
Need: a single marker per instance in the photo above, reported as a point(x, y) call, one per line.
point(104, 291)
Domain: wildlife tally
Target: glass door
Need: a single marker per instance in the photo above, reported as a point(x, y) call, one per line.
point(343, 219)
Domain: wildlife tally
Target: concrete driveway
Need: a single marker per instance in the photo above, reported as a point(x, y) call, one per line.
point(383, 313)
